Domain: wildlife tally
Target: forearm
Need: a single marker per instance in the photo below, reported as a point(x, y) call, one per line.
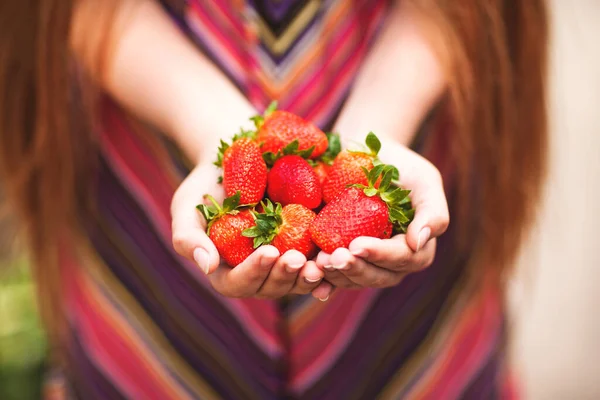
point(157, 74)
point(399, 83)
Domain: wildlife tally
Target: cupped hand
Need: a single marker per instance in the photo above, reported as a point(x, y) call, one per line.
point(379, 263)
point(264, 274)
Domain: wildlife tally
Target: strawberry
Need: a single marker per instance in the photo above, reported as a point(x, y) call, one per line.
point(285, 228)
point(244, 169)
point(347, 168)
point(225, 227)
point(293, 181)
point(276, 129)
point(322, 170)
point(323, 164)
point(361, 210)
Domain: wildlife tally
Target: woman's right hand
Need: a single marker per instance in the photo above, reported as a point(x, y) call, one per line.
point(264, 274)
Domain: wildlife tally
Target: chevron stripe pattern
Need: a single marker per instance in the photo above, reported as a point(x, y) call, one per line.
point(146, 324)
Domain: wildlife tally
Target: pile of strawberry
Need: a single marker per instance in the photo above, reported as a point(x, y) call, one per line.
point(288, 184)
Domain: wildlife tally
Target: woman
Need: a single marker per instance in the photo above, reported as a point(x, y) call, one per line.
point(107, 106)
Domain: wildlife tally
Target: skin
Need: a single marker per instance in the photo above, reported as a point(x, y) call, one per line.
point(158, 75)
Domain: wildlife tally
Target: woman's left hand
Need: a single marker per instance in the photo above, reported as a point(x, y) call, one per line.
point(378, 263)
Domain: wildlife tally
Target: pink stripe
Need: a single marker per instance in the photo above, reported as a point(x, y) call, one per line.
point(468, 352)
point(343, 316)
point(114, 357)
point(298, 102)
point(226, 15)
point(230, 61)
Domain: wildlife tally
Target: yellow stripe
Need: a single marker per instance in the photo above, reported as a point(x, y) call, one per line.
point(275, 89)
point(278, 45)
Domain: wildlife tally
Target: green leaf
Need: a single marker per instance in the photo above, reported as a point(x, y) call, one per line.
point(370, 191)
point(373, 143)
point(220, 180)
point(397, 215)
point(405, 200)
point(263, 225)
point(386, 180)
point(366, 171)
point(271, 108)
point(291, 148)
point(269, 157)
point(212, 200)
point(375, 173)
point(398, 194)
point(306, 153)
point(396, 174)
point(334, 147)
point(231, 203)
point(251, 232)
point(221, 151)
point(377, 161)
point(258, 120)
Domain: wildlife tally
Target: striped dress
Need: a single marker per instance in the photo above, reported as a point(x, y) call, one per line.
point(146, 324)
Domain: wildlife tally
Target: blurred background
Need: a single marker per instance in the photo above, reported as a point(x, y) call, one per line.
point(555, 296)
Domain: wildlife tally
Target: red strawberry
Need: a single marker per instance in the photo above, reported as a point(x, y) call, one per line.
point(277, 129)
point(244, 170)
point(322, 170)
point(362, 211)
point(347, 169)
point(293, 181)
point(225, 227)
point(285, 228)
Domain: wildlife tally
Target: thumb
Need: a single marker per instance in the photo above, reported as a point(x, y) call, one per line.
point(431, 220)
point(188, 232)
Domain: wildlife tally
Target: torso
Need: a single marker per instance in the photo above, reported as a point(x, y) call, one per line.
point(146, 324)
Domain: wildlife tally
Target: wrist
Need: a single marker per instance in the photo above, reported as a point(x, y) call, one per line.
point(198, 130)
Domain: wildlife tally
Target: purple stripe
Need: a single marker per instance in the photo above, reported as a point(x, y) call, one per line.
point(175, 307)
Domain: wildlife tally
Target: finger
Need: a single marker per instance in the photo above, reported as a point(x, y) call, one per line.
point(323, 291)
point(338, 279)
point(340, 258)
point(427, 193)
point(431, 211)
point(323, 261)
point(191, 242)
point(283, 276)
point(365, 274)
point(393, 254)
point(189, 226)
point(308, 279)
point(246, 279)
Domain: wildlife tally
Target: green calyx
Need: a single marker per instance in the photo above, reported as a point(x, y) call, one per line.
point(215, 210)
point(397, 199)
point(334, 147)
point(259, 120)
point(290, 149)
point(373, 145)
point(267, 224)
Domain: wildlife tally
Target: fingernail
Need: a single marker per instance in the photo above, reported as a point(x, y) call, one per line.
point(423, 237)
point(310, 280)
point(201, 258)
point(341, 266)
point(359, 252)
point(293, 267)
point(324, 299)
point(328, 267)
